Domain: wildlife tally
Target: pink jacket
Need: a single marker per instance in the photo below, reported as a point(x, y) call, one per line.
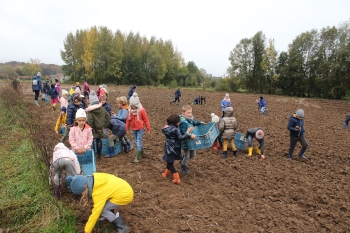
point(80, 139)
point(64, 102)
point(61, 151)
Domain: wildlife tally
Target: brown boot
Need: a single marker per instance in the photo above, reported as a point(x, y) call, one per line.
point(166, 173)
point(176, 179)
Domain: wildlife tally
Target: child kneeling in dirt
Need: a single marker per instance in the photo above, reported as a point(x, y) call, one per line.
point(63, 159)
point(187, 121)
point(118, 131)
point(108, 193)
point(80, 136)
point(258, 134)
point(227, 127)
point(173, 145)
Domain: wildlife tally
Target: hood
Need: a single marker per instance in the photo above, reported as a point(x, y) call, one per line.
point(102, 179)
point(168, 129)
point(60, 146)
point(228, 112)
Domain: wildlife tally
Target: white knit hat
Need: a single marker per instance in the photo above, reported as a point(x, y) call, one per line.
point(214, 118)
point(80, 113)
point(259, 134)
point(38, 74)
point(64, 92)
point(134, 100)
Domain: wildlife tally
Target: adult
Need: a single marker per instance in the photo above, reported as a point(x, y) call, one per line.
point(37, 87)
point(131, 91)
point(177, 97)
point(225, 103)
point(296, 128)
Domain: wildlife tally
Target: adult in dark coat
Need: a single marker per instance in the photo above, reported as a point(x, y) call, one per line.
point(177, 97)
point(131, 91)
point(37, 86)
point(172, 147)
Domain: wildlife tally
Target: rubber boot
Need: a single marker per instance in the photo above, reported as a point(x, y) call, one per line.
point(257, 150)
point(129, 144)
point(235, 153)
point(111, 152)
point(36, 103)
point(137, 156)
point(215, 146)
point(143, 155)
point(57, 192)
point(176, 179)
point(99, 149)
point(301, 154)
point(166, 173)
point(120, 225)
point(178, 103)
point(184, 169)
point(224, 154)
point(125, 146)
point(250, 151)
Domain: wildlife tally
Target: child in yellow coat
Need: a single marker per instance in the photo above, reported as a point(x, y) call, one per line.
point(61, 121)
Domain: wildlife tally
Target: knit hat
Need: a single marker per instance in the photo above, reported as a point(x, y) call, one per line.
point(64, 109)
point(300, 113)
point(80, 113)
point(47, 80)
point(78, 183)
point(93, 98)
point(259, 134)
point(77, 90)
point(38, 74)
point(214, 118)
point(227, 95)
point(134, 100)
point(77, 83)
point(64, 92)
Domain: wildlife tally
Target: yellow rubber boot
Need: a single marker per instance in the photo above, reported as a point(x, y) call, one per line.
point(257, 150)
point(250, 151)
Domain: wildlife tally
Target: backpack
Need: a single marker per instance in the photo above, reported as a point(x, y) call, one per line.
point(35, 82)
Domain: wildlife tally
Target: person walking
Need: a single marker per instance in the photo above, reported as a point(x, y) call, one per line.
point(37, 87)
point(177, 97)
point(296, 128)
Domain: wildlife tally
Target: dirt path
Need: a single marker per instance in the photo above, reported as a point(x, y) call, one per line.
point(234, 194)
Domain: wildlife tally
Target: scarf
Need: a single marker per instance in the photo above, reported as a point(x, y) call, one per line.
point(135, 112)
point(126, 106)
point(227, 99)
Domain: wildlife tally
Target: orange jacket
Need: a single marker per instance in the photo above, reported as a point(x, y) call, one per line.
point(138, 125)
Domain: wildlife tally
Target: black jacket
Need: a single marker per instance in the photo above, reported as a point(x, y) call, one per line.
point(172, 147)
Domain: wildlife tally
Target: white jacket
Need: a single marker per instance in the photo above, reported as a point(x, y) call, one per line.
point(61, 151)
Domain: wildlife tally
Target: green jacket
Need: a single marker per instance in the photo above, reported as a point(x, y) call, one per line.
point(185, 123)
point(98, 119)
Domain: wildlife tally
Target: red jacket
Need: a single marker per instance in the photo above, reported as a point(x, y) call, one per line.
point(138, 125)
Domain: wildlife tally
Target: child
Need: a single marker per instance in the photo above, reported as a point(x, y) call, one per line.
point(63, 159)
point(227, 127)
point(58, 88)
point(46, 89)
point(226, 102)
point(177, 97)
point(216, 119)
point(86, 89)
point(108, 193)
point(138, 119)
point(77, 84)
point(118, 131)
point(258, 134)
point(61, 121)
point(105, 104)
point(123, 108)
point(346, 122)
point(98, 119)
point(71, 111)
point(71, 92)
point(173, 145)
point(262, 105)
point(53, 93)
point(83, 100)
point(63, 99)
point(131, 91)
point(296, 128)
point(187, 121)
point(80, 136)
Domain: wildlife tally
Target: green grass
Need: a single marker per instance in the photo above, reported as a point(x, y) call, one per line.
point(26, 200)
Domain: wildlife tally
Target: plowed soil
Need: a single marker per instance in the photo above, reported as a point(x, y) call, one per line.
point(236, 194)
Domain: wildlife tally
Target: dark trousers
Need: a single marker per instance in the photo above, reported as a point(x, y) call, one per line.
point(294, 141)
point(171, 167)
point(36, 94)
point(176, 99)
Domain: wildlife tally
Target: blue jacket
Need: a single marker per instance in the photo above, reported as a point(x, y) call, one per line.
point(53, 93)
point(225, 104)
point(293, 122)
point(108, 108)
point(262, 103)
point(39, 86)
point(131, 91)
point(71, 111)
point(177, 93)
point(122, 114)
point(185, 123)
point(117, 127)
point(172, 147)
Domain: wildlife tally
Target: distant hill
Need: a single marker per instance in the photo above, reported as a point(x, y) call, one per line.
point(47, 69)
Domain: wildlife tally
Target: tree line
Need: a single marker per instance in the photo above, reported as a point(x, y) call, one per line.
point(98, 55)
point(317, 64)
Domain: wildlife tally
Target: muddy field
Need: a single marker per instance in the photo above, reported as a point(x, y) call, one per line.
point(243, 194)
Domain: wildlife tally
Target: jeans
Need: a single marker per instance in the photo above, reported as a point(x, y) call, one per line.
point(262, 110)
point(138, 134)
point(66, 134)
point(188, 154)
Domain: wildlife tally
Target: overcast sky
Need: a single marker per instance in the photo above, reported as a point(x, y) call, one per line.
point(204, 31)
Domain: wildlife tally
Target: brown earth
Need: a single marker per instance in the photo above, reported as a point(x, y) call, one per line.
point(243, 194)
